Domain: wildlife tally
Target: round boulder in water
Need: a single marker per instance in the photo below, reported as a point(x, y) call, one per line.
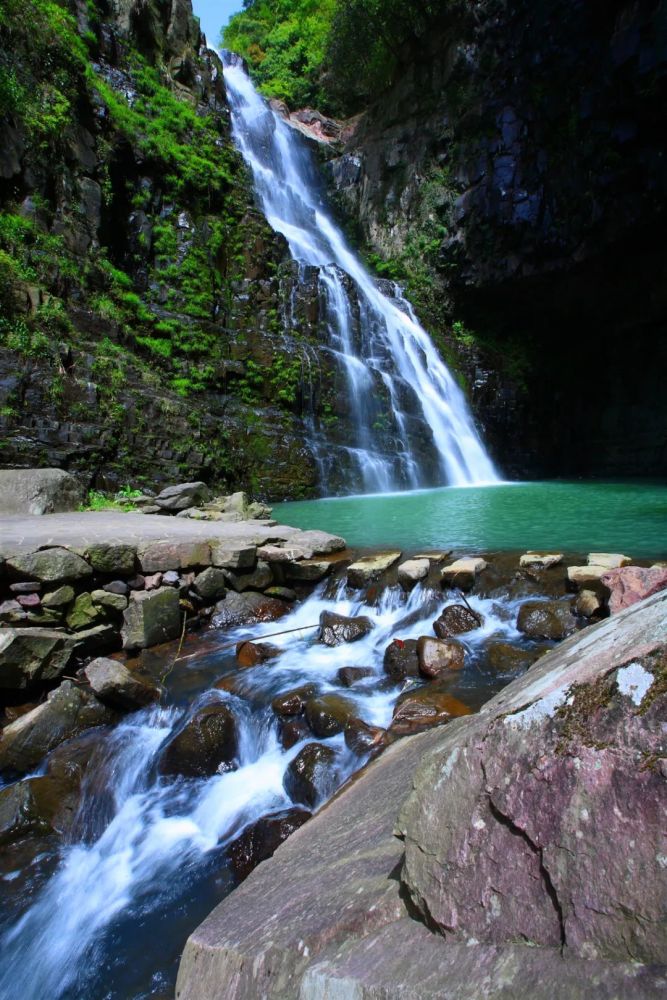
point(348, 676)
point(205, 744)
point(329, 714)
point(293, 702)
point(439, 656)
point(260, 840)
point(424, 708)
point(456, 619)
point(337, 629)
point(249, 654)
point(311, 776)
point(546, 619)
point(401, 660)
point(362, 738)
point(292, 730)
point(505, 658)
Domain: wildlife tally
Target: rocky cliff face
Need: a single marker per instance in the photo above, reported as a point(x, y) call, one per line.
point(142, 295)
point(515, 177)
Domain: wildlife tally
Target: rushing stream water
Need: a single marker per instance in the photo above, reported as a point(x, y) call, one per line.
point(393, 372)
point(146, 860)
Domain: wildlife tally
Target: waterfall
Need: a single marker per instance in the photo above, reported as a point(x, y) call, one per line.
point(409, 419)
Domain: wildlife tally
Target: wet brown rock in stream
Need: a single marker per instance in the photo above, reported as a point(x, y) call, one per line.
point(247, 609)
point(424, 708)
point(249, 654)
point(456, 619)
point(348, 676)
point(119, 687)
point(311, 776)
point(504, 658)
point(293, 730)
point(337, 629)
point(262, 839)
point(546, 619)
point(329, 714)
point(293, 702)
point(439, 656)
point(207, 743)
point(362, 738)
point(401, 660)
point(37, 805)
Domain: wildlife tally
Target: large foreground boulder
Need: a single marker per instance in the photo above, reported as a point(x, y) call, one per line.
point(529, 836)
point(38, 491)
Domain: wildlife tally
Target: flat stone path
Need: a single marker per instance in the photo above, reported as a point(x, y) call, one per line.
point(79, 529)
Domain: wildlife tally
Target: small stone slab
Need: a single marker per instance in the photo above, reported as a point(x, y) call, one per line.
point(277, 554)
point(463, 572)
point(370, 568)
point(157, 557)
point(58, 598)
point(57, 565)
point(540, 560)
point(586, 576)
point(412, 571)
point(116, 560)
point(439, 556)
point(610, 560)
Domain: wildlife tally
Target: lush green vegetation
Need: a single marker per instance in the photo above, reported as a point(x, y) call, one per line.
point(334, 54)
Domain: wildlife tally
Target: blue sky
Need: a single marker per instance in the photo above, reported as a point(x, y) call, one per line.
point(214, 14)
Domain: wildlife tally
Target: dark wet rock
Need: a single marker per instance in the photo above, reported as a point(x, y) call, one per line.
point(67, 712)
point(401, 660)
point(182, 497)
point(137, 582)
point(28, 655)
point(456, 619)
point(424, 708)
point(247, 609)
point(537, 817)
point(337, 629)
point(439, 656)
point(329, 714)
point(206, 743)
point(282, 593)
point(210, 584)
point(151, 618)
point(293, 730)
point(261, 577)
point(362, 738)
point(630, 584)
point(261, 840)
point(14, 712)
point(115, 685)
point(293, 702)
point(55, 565)
point(546, 619)
point(311, 776)
point(38, 805)
point(38, 491)
point(505, 658)
point(348, 676)
point(249, 654)
point(427, 608)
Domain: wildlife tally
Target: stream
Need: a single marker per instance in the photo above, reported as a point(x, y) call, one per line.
point(106, 914)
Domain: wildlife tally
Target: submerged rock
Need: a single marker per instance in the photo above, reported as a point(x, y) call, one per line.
point(293, 730)
point(263, 838)
point(329, 714)
point(546, 619)
point(456, 619)
point(311, 777)
point(439, 656)
point(505, 658)
point(401, 660)
point(348, 676)
point(424, 708)
point(205, 744)
point(337, 629)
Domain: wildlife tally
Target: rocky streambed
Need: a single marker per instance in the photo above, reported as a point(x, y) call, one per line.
point(157, 779)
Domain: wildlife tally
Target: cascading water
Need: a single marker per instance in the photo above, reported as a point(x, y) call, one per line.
point(410, 421)
point(146, 858)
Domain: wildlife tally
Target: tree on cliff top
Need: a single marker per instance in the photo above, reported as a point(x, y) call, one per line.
point(334, 54)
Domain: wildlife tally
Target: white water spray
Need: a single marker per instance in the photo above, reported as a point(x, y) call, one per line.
point(411, 423)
